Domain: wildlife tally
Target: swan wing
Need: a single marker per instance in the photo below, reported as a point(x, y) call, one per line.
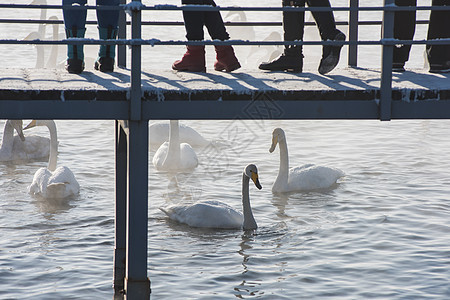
point(206, 214)
point(312, 177)
point(39, 184)
point(188, 157)
point(62, 184)
point(160, 155)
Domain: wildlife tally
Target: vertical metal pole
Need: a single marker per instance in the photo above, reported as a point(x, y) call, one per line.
point(122, 34)
point(386, 62)
point(135, 108)
point(353, 33)
point(121, 208)
point(137, 284)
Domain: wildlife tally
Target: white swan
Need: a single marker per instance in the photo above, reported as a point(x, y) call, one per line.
point(159, 133)
point(52, 182)
point(173, 156)
point(7, 149)
point(306, 177)
point(216, 214)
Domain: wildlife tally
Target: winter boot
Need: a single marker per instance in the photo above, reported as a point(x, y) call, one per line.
point(107, 53)
point(293, 26)
point(226, 59)
point(291, 60)
point(330, 55)
point(75, 54)
point(193, 60)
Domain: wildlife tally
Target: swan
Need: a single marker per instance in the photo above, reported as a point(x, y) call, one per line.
point(52, 182)
point(306, 177)
point(173, 156)
point(216, 214)
point(159, 133)
point(7, 149)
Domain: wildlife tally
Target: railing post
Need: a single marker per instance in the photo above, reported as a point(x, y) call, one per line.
point(386, 62)
point(122, 34)
point(353, 33)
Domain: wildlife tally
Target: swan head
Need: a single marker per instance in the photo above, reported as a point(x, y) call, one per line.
point(18, 125)
point(277, 137)
point(35, 123)
point(252, 172)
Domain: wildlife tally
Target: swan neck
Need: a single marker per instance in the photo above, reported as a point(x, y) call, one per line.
point(284, 159)
point(173, 153)
point(53, 156)
point(249, 220)
point(8, 138)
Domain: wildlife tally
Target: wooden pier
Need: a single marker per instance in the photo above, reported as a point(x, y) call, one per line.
point(350, 93)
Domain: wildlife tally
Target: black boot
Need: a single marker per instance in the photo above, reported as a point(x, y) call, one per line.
point(107, 53)
point(75, 55)
point(292, 58)
point(330, 55)
point(291, 61)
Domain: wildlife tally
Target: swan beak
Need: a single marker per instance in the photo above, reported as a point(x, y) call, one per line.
point(256, 180)
point(274, 144)
point(31, 125)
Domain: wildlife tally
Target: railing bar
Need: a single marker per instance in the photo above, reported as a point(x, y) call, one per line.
point(175, 23)
point(156, 42)
point(233, 8)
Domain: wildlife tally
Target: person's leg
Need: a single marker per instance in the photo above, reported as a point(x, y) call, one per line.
point(74, 23)
point(226, 59)
point(439, 27)
point(293, 26)
point(107, 29)
point(328, 31)
point(404, 28)
point(194, 58)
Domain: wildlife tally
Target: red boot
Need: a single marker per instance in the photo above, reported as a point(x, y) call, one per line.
point(226, 60)
point(192, 61)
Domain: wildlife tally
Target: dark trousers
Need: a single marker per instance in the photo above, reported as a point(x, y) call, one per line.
point(294, 22)
point(195, 20)
point(439, 27)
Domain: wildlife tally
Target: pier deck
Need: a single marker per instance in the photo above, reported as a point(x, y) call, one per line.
point(350, 93)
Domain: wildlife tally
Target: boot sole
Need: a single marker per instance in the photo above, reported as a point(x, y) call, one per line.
point(229, 69)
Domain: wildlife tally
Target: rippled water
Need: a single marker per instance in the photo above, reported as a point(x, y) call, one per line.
point(381, 232)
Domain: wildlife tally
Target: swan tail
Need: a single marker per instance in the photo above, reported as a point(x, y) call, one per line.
point(59, 190)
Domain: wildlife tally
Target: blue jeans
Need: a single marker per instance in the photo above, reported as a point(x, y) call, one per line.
point(77, 18)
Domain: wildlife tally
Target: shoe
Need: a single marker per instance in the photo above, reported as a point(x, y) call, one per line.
point(104, 64)
point(285, 62)
point(193, 60)
point(398, 67)
point(74, 65)
point(226, 59)
point(440, 68)
point(330, 55)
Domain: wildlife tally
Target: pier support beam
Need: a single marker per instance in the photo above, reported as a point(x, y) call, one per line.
point(137, 284)
point(120, 208)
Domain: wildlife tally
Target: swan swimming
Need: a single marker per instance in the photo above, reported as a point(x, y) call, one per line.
point(52, 182)
point(216, 214)
point(159, 133)
point(173, 155)
point(8, 150)
point(306, 177)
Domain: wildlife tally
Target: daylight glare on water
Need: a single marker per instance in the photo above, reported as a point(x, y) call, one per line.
point(382, 231)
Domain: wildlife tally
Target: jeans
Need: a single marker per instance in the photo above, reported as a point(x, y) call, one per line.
point(77, 18)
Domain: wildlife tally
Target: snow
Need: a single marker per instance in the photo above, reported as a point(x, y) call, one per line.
point(417, 84)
